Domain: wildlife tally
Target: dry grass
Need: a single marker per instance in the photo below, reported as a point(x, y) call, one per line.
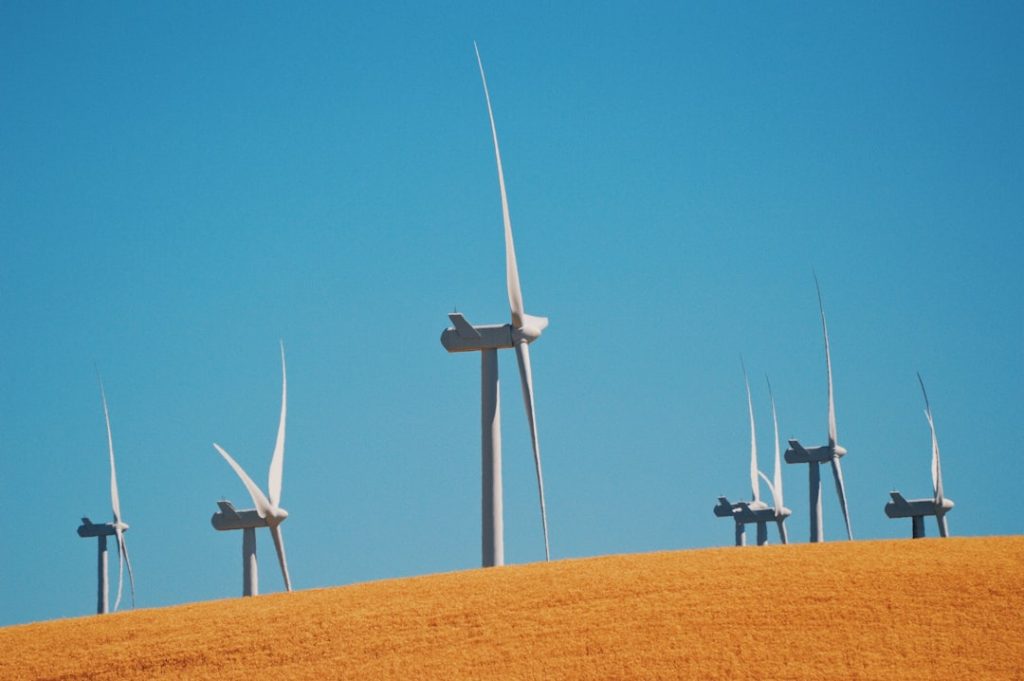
point(863, 610)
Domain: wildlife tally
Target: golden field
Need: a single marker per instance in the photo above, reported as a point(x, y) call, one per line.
point(861, 610)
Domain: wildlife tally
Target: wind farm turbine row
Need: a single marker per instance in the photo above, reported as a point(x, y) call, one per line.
point(267, 513)
point(463, 337)
point(522, 330)
point(756, 512)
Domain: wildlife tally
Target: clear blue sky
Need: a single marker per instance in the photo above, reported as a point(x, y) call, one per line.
point(182, 185)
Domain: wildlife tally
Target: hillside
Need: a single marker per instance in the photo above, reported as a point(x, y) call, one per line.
point(878, 609)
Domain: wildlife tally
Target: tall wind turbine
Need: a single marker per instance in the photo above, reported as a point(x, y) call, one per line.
point(755, 511)
point(268, 512)
point(103, 530)
point(917, 509)
point(830, 453)
point(487, 340)
point(775, 486)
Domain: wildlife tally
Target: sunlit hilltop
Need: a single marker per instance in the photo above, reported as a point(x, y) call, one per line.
point(869, 609)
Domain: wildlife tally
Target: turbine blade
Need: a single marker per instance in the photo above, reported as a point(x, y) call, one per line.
point(526, 377)
point(837, 473)
point(515, 292)
point(131, 573)
point(277, 462)
point(123, 548)
point(832, 436)
point(771, 488)
point(275, 532)
point(753, 438)
point(936, 467)
point(263, 505)
point(778, 467)
point(120, 567)
point(115, 499)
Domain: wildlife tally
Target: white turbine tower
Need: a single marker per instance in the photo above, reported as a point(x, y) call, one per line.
point(268, 512)
point(117, 528)
point(831, 453)
point(487, 340)
point(756, 511)
point(917, 509)
point(781, 512)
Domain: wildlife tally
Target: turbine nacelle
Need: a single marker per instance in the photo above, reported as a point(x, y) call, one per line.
point(753, 506)
point(465, 337)
point(91, 529)
point(797, 453)
point(229, 518)
point(748, 511)
point(901, 507)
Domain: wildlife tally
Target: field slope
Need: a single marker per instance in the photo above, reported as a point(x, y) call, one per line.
point(864, 610)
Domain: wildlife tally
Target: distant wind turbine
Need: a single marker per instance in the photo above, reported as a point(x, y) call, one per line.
point(917, 509)
point(756, 511)
point(487, 340)
point(830, 453)
point(103, 530)
point(268, 512)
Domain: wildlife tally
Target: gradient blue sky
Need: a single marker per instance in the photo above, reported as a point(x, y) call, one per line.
point(184, 184)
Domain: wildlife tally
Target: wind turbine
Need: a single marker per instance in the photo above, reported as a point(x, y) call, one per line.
point(487, 340)
point(830, 453)
point(780, 511)
point(103, 530)
point(268, 512)
point(917, 509)
point(755, 511)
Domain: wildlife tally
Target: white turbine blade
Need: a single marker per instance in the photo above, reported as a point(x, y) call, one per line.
point(778, 467)
point(775, 495)
point(936, 467)
point(277, 462)
point(120, 566)
point(754, 488)
point(515, 292)
point(128, 564)
point(263, 505)
point(115, 499)
point(122, 547)
point(837, 473)
point(275, 532)
point(526, 377)
point(832, 436)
